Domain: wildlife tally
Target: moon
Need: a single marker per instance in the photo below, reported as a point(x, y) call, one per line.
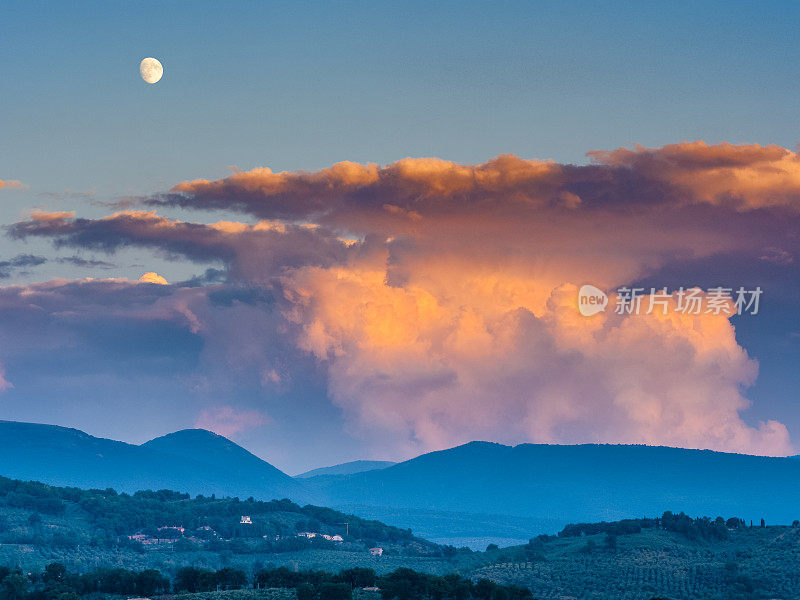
point(151, 70)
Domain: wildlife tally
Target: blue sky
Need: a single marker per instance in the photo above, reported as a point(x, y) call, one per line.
point(300, 86)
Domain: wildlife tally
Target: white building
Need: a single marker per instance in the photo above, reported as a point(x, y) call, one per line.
point(246, 520)
point(376, 551)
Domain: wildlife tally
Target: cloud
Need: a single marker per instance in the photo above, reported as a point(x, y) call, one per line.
point(152, 277)
point(249, 249)
point(4, 383)
point(436, 369)
point(11, 184)
point(85, 262)
point(742, 177)
point(438, 299)
point(19, 263)
point(227, 421)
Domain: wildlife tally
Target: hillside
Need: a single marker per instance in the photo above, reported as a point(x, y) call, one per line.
point(193, 461)
point(747, 562)
point(580, 482)
point(348, 468)
point(165, 529)
point(672, 556)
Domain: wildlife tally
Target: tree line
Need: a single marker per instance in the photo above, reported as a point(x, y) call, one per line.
point(57, 583)
point(698, 528)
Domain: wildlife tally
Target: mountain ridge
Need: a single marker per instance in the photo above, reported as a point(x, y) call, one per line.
point(480, 489)
point(347, 468)
point(28, 451)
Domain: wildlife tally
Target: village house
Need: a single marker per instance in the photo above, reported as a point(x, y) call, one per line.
point(376, 551)
point(172, 528)
point(246, 520)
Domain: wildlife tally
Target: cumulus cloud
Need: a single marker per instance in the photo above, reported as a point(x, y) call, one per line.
point(439, 299)
point(227, 421)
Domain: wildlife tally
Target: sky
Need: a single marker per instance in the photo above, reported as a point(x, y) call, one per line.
point(365, 224)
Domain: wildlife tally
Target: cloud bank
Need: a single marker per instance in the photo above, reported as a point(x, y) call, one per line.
point(440, 299)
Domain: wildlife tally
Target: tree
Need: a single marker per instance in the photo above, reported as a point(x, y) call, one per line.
point(149, 582)
point(335, 591)
point(491, 547)
point(484, 589)
point(13, 587)
point(231, 579)
point(306, 591)
point(611, 542)
point(358, 577)
point(403, 584)
point(54, 572)
point(187, 579)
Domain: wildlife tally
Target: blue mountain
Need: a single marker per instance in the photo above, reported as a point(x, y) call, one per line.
point(194, 461)
point(348, 468)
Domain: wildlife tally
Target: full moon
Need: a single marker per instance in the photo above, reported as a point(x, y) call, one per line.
point(151, 70)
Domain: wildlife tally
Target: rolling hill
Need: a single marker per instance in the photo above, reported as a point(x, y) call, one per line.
point(193, 461)
point(467, 495)
point(348, 468)
point(557, 484)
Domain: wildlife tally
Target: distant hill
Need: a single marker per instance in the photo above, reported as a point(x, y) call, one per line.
point(461, 496)
point(193, 461)
point(576, 482)
point(348, 468)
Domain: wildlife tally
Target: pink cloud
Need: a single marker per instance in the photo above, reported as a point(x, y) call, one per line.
point(436, 296)
point(4, 383)
point(227, 421)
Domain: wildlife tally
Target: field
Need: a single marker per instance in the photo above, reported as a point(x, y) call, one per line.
point(752, 563)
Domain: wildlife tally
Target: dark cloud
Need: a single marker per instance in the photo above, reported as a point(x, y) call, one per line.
point(84, 262)
point(19, 263)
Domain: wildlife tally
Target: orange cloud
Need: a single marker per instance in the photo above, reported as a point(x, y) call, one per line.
point(743, 177)
point(747, 177)
point(439, 298)
point(11, 184)
point(442, 367)
point(152, 277)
